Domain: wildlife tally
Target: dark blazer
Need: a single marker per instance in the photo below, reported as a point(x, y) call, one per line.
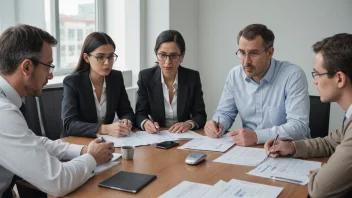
point(79, 113)
point(150, 101)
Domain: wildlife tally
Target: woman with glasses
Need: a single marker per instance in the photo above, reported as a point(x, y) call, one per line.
point(95, 93)
point(169, 95)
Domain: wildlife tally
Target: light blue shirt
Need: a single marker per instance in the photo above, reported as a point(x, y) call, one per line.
point(279, 104)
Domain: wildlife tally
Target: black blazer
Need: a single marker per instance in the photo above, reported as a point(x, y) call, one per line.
point(79, 114)
point(150, 101)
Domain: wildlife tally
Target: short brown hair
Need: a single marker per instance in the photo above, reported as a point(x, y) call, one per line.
point(253, 30)
point(21, 42)
point(337, 53)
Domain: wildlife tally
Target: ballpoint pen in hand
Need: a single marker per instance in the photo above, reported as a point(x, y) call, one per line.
point(277, 136)
point(218, 126)
point(157, 128)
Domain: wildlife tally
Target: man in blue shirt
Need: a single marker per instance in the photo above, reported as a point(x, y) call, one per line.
point(270, 96)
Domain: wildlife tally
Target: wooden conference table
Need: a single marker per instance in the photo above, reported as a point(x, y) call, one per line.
point(171, 169)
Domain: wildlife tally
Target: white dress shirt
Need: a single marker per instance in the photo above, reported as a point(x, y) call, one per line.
point(37, 159)
point(170, 107)
point(100, 106)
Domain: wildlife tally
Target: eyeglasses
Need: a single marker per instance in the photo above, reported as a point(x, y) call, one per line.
point(315, 75)
point(102, 59)
point(51, 66)
point(172, 57)
point(241, 55)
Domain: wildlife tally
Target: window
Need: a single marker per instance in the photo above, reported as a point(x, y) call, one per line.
point(79, 35)
point(70, 22)
point(71, 35)
point(71, 50)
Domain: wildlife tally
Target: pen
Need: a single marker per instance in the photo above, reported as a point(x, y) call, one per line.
point(218, 125)
point(277, 136)
point(286, 179)
point(157, 128)
point(102, 139)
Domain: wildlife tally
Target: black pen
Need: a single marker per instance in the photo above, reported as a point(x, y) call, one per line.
point(157, 128)
point(218, 126)
point(102, 139)
point(277, 136)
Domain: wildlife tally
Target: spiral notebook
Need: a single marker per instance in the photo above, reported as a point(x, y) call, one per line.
point(128, 181)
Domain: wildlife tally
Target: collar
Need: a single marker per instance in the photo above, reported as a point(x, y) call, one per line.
point(269, 74)
point(104, 84)
point(349, 112)
point(163, 81)
point(10, 93)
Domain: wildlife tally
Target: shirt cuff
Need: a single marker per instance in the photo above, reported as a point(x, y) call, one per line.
point(91, 162)
point(74, 150)
point(263, 135)
point(142, 124)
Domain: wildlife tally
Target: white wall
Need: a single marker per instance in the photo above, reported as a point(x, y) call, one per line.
point(296, 25)
point(184, 18)
point(7, 14)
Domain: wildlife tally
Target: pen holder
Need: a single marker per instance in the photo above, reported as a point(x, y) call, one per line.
point(127, 152)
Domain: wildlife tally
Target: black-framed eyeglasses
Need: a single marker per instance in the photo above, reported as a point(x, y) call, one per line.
point(241, 55)
point(172, 57)
point(315, 75)
point(51, 66)
point(101, 58)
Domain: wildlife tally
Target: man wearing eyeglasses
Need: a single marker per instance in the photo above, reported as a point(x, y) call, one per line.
point(332, 75)
point(270, 96)
point(25, 67)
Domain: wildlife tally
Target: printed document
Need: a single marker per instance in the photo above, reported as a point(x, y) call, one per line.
point(238, 188)
point(246, 156)
point(209, 144)
point(187, 189)
point(286, 169)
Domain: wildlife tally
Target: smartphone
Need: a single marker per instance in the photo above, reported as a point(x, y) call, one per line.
point(166, 144)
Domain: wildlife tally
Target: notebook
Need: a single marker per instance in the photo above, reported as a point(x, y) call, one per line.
point(128, 181)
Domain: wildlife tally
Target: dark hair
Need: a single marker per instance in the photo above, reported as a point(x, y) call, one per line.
point(92, 42)
point(337, 53)
point(170, 36)
point(253, 30)
point(21, 42)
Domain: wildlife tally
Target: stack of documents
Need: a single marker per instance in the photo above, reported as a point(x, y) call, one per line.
point(141, 138)
point(209, 144)
point(222, 189)
point(243, 156)
point(286, 169)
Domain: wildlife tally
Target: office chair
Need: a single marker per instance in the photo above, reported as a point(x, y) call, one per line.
point(319, 117)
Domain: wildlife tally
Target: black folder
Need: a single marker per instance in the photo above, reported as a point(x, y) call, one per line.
point(128, 181)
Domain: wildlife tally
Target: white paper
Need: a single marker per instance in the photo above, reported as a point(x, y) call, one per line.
point(243, 189)
point(141, 138)
point(187, 189)
point(110, 164)
point(182, 136)
point(246, 156)
point(288, 168)
point(209, 144)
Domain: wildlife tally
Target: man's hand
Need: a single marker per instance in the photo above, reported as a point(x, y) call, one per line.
point(180, 127)
point(211, 130)
point(151, 127)
point(280, 148)
point(244, 137)
point(101, 151)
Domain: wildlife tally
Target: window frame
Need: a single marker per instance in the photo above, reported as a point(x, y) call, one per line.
point(55, 29)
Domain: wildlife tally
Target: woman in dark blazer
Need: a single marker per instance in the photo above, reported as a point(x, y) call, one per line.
point(95, 92)
point(169, 95)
